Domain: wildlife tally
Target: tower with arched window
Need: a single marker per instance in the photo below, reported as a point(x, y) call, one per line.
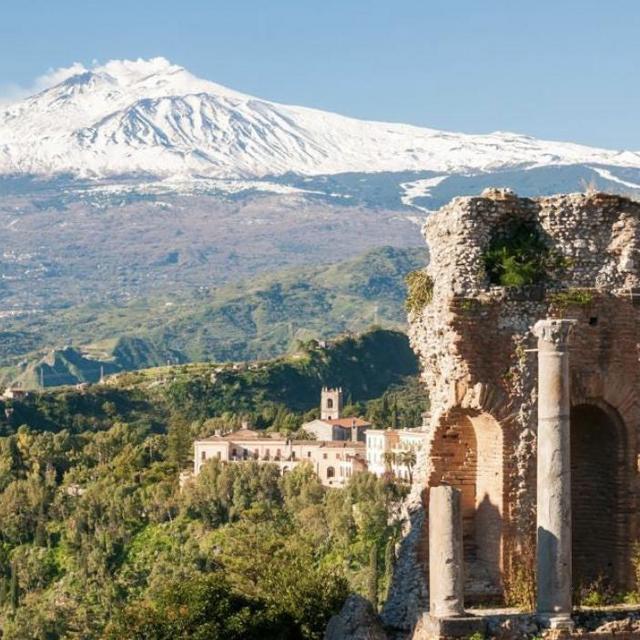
point(331, 403)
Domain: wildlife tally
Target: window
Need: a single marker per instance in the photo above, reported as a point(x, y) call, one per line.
point(255, 454)
point(233, 452)
point(331, 472)
point(324, 456)
point(278, 454)
point(329, 403)
point(245, 454)
point(203, 455)
point(293, 455)
point(219, 455)
point(308, 454)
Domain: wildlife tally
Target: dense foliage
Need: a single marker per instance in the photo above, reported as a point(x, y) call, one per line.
point(98, 541)
point(97, 538)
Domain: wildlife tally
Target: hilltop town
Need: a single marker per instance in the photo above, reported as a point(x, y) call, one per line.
point(335, 447)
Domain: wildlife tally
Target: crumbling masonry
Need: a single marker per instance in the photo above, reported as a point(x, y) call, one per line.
point(477, 348)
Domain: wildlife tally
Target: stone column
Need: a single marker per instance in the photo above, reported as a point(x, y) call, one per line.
point(554, 474)
point(446, 569)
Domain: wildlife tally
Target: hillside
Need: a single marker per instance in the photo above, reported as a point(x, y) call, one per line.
point(366, 366)
point(252, 320)
point(98, 541)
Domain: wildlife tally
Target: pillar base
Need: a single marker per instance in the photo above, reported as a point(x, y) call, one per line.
point(559, 621)
point(436, 628)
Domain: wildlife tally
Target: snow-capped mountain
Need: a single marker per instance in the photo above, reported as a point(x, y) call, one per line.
point(154, 118)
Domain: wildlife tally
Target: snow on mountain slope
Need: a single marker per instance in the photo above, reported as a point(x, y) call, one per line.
point(154, 118)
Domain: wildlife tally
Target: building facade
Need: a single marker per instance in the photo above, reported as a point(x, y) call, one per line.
point(334, 462)
point(394, 451)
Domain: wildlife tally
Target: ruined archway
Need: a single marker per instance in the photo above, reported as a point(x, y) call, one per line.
point(468, 454)
point(600, 486)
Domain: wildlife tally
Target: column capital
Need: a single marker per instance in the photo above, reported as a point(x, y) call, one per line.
point(555, 331)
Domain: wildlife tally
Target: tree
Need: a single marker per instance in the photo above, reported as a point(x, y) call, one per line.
point(389, 563)
point(265, 558)
point(389, 458)
point(201, 608)
point(409, 459)
point(14, 589)
point(394, 414)
point(373, 577)
point(180, 442)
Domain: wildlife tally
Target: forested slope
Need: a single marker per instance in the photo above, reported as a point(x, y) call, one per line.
point(97, 540)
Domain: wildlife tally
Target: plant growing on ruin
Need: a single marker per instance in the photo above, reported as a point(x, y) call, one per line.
point(468, 304)
point(571, 298)
point(521, 354)
point(419, 290)
point(520, 582)
point(596, 593)
point(516, 256)
point(635, 561)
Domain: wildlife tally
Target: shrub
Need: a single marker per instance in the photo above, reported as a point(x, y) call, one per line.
point(596, 594)
point(419, 290)
point(520, 585)
point(516, 256)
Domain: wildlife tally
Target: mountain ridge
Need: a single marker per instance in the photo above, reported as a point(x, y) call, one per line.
point(155, 118)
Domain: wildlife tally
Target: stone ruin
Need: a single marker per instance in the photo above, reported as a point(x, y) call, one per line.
point(479, 357)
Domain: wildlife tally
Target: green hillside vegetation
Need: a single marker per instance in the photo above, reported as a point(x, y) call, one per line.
point(98, 541)
point(276, 393)
point(255, 319)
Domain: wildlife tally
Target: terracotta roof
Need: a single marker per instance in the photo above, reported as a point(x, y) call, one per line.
point(348, 422)
point(244, 435)
point(342, 444)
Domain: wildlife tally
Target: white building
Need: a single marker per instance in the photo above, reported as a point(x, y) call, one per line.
point(14, 393)
point(333, 461)
point(386, 450)
point(343, 446)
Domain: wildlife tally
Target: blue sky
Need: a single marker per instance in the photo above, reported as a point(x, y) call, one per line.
point(566, 70)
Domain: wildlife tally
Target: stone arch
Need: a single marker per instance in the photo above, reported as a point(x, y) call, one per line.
point(468, 453)
point(601, 496)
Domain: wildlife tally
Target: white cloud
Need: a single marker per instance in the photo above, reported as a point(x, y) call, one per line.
point(125, 70)
point(13, 92)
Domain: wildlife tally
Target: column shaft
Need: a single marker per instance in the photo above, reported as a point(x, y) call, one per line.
point(446, 569)
point(554, 473)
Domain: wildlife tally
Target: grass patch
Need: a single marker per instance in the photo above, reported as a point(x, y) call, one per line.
point(419, 290)
point(571, 298)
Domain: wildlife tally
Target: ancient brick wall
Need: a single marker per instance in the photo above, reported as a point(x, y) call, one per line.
point(473, 341)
